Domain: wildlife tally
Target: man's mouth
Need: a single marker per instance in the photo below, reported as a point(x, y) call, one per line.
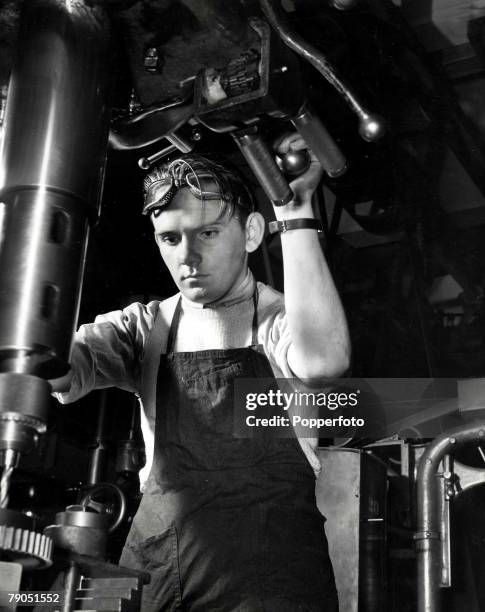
point(194, 276)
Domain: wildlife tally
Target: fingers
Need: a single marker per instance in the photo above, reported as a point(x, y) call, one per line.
point(293, 142)
point(289, 142)
point(311, 177)
point(305, 184)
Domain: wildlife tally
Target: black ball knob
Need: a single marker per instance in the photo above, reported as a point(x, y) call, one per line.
point(294, 163)
point(372, 127)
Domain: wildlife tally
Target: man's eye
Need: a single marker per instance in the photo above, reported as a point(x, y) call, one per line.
point(169, 239)
point(210, 233)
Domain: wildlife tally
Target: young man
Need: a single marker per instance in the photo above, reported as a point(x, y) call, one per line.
point(224, 524)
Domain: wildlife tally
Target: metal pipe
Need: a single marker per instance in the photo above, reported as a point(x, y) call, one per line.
point(150, 126)
point(134, 419)
point(371, 125)
point(99, 448)
point(428, 535)
point(72, 580)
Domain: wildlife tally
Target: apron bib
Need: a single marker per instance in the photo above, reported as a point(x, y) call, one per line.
point(225, 524)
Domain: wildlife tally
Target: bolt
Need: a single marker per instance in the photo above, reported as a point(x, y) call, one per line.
point(133, 104)
point(151, 61)
point(196, 136)
point(452, 440)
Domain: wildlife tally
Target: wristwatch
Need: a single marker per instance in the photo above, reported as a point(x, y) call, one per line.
point(292, 224)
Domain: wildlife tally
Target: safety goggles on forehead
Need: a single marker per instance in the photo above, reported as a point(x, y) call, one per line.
point(202, 183)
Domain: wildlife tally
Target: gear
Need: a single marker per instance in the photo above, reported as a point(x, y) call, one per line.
point(29, 548)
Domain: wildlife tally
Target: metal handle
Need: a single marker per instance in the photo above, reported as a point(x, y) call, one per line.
point(178, 143)
point(263, 164)
point(146, 163)
point(88, 502)
point(371, 125)
point(182, 144)
point(320, 142)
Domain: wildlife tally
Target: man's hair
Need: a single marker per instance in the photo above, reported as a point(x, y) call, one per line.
point(205, 178)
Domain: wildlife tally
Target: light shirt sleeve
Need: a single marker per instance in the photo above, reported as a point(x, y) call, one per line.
point(108, 352)
point(273, 332)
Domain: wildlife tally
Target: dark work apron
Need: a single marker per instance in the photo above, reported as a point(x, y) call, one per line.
point(225, 524)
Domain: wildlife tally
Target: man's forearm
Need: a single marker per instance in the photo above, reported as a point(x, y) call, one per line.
point(320, 341)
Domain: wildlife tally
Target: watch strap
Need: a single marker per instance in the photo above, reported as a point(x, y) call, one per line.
point(292, 224)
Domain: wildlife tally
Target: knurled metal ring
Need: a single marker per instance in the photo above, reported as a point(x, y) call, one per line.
point(29, 548)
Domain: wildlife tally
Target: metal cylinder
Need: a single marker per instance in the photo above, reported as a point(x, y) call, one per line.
point(372, 581)
point(78, 516)
point(428, 534)
point(41, 263)
point(182, 144)
point(23, 412)
point(263, 164)
point(82, 532)
point(72, 581)
point(320, 142)
point(99, 448)
point(146, 163)
point(129, 456)
point(51, 171)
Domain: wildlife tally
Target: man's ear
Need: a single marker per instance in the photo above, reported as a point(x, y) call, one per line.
point(255, 225)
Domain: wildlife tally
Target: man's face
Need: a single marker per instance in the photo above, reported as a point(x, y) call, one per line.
point(205, 256)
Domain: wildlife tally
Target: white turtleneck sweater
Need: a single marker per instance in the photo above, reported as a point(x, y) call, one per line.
point(122, 348)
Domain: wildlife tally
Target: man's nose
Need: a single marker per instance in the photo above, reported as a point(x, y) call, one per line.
point(189, 255)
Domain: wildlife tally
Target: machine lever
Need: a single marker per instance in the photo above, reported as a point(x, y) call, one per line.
point(371, 125)
point(263, 164)
point(320, 142)
point(178, 143)
point(120, 503)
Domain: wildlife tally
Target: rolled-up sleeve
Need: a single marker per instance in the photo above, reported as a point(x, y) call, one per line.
point(273, 332)
point(108, 352)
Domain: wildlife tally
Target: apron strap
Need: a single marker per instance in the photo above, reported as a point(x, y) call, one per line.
point(254, 325)
point(151, 356)
point(172, 333)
